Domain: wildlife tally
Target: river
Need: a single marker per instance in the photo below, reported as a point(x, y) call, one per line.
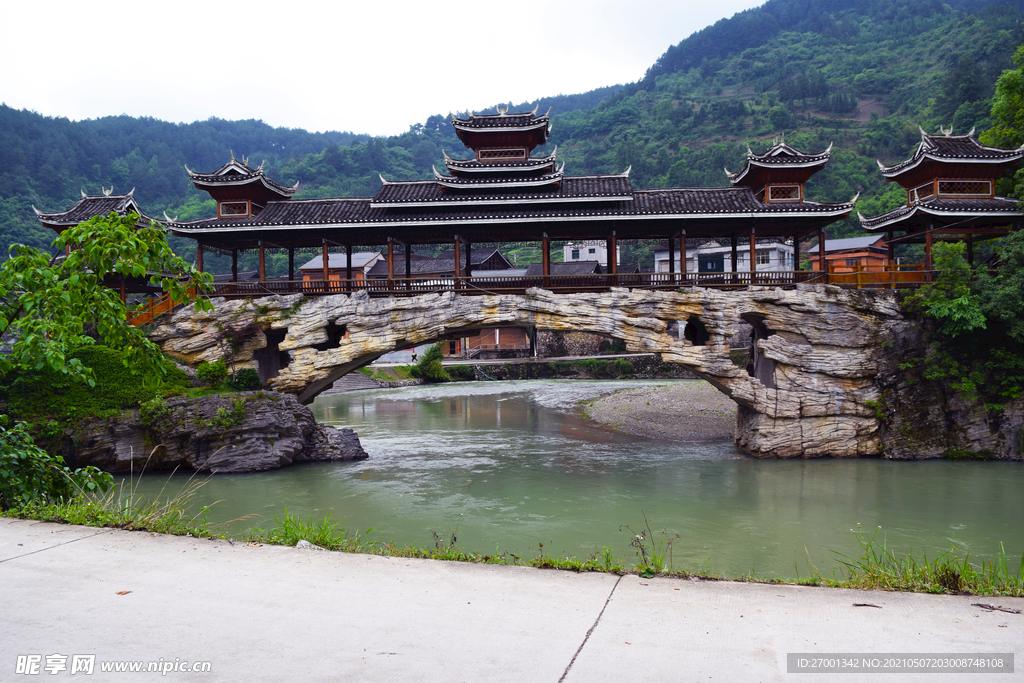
point(513, 467)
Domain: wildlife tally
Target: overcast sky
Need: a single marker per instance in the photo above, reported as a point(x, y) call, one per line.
point(366, 67)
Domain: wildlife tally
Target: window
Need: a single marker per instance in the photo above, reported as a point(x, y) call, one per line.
point(501, 154)
point(965, 187)
point(233, 209)
point(591, 251)
point(853, 261)
point(783, 193)
point(763, 257)
point(575, 254)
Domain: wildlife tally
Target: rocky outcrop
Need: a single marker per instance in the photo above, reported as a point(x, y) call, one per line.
point(807, 391)
point(924, 418)
point(243, 432)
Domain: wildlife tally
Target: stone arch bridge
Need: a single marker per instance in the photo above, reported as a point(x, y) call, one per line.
point(808, 391)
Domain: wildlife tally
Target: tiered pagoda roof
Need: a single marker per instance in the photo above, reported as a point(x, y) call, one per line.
point(950, 181)
point(947, 155)
point(488, 133)
point(93, 205)
point(781, 163)
point(237, 180)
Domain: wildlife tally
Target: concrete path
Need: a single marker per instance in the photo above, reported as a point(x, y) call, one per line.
point(283, 614)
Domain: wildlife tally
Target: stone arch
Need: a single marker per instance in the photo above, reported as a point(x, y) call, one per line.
point(805, 395)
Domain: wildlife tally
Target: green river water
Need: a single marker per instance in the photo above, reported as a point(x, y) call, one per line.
point(507, 466)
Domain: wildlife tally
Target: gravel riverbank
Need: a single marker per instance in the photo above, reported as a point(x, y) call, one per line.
point(685, 411)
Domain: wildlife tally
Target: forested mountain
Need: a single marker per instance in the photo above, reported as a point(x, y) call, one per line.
point(862, 74)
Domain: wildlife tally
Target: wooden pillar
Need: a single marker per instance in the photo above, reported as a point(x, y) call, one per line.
point(391, 260)
point(199, 258)
point(928, 254)
point(890, 250)
point(735, 256)
point(753, 256)
point(234, 265)
point(124, 292)
point(458, 257)
point(796, 254)
point(408, 266)
point(326, 264)
point(291, 264)
point(671, 258)
point(348, 267)
point(263, 262)
point(822, 266)
point(682, 254)
point(469, 259)
point(545, 259)
point(613, 254)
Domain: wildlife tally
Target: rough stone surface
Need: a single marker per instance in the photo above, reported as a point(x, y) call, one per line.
point(808, 389)
point(556, 344)
point(212, 434)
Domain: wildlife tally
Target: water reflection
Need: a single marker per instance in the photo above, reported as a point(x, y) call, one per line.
point(511, 465)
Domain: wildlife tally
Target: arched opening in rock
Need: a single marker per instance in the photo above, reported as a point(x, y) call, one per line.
point(696, 332)
point(271, 359)
point(759, 367)
point(335, 333)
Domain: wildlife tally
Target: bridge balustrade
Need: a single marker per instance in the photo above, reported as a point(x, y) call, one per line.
point(482, 283)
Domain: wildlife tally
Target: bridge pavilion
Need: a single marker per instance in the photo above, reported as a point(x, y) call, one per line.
point(502, 193)
point(950, 182)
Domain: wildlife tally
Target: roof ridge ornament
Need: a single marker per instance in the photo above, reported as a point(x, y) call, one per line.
point(38, 212)
point(970, 134)
point(382, 179)
point(625, 174)
point(260, 168)
point(502, 112)
point(169, 219)
point(855, 198)
point(107, 193)
point(232, 156)
point(880, 164)
point(548, 112)
point(245, 160)
point(130, 192)
point(83, 193)
point(829, 150)
point(750, 152)
point(535, 108)
point(923, 134)
point(946, 131)
point(188, 170)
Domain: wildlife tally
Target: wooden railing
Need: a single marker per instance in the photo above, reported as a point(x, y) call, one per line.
point(485, 284)
point(855, 277)
point(879, 277)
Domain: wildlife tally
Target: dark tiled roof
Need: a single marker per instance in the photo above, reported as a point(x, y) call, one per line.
point(421, 192)
point(89, 206)
point(847, 243)
point(780, 155)
point(646, 203)
point(420, 266)
point(565, 268)
point(718, 200)
point(967, 208)
point(534, 183)
point(510, 166)
point(953, 148)
point(522, 120)
point(238, 173)
point(478, 256)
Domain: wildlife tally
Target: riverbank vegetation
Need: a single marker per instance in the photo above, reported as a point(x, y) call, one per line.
point(877, 568)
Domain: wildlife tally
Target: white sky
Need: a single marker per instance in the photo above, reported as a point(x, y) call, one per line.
point(368, 67)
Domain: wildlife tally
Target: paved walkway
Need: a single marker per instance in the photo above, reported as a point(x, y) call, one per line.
point(284, 614)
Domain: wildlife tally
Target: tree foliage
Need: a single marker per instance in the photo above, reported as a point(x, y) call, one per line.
point(54, 307)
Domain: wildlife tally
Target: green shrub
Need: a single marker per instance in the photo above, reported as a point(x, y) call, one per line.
point(30, 474)
point(246, 379)
point(462, 373)
point(429, 367)
point(213, 374)
point(47, 395)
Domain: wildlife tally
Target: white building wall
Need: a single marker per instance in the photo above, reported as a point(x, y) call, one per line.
point(779, 256)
